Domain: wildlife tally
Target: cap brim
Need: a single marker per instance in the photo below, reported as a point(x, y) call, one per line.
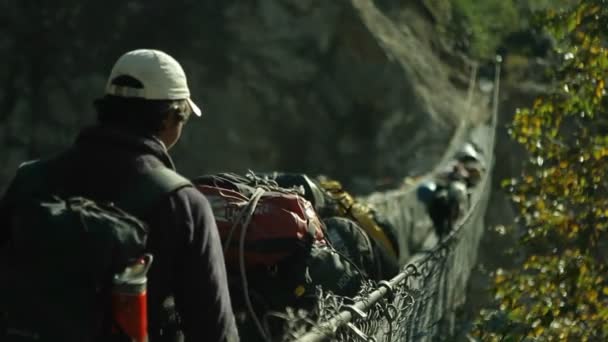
point(195, 109)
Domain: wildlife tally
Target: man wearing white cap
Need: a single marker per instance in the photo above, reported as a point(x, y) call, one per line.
point(147, 98)
point(141, 116)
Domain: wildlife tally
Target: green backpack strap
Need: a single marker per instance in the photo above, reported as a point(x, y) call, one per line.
point(149, 187)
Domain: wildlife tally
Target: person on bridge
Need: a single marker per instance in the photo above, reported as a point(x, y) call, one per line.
point(145, 107)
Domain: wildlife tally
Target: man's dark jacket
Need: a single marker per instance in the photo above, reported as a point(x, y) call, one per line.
point(183, 237)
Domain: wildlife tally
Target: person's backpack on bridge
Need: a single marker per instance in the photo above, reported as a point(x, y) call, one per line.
point(275, 248)
point(338, 202)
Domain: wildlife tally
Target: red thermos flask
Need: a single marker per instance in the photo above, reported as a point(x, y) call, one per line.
point(129, 300)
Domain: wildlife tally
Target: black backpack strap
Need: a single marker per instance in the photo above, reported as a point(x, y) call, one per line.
point(145, 189)
point(149, 187)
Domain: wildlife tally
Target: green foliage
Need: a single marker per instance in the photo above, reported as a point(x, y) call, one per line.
point(561, 290)
point(479, 27)
point(485, 23)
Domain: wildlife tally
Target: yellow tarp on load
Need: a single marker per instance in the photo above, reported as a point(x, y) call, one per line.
point(360, 213)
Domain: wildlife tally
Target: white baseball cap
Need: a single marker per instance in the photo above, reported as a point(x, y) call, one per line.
point(468, 151)
point(161, 75)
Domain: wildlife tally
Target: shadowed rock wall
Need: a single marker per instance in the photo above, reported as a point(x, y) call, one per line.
point(338, 87)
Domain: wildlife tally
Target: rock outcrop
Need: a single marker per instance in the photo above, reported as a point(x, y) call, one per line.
point(346, 88)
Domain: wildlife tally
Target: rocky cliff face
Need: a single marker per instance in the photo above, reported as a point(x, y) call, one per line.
point(351, 88)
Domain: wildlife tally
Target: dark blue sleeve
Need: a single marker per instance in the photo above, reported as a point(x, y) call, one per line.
point(201, 288)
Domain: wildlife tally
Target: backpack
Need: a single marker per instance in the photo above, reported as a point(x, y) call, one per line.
point(341, 203)
point(309, 189)
point(245, 185)
point(292, 283)
point(446, 205)
point(64, 252)
point(350, 240)
point(277, 224)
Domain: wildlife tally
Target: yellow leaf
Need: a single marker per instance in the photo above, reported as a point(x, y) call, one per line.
point(538, 331)
point(540, 205)
point(596, 154)
point(592, 296)
point(599, 90)
point(500, 277)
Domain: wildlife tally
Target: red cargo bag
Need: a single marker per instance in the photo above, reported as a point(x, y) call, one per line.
point(281, 225)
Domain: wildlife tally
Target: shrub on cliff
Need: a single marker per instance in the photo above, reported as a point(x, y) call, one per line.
point(479, 27)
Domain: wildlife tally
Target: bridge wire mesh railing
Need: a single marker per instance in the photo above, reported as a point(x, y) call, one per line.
point(420, 303)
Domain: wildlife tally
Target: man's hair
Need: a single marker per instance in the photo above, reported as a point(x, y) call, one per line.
point(138, 115)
